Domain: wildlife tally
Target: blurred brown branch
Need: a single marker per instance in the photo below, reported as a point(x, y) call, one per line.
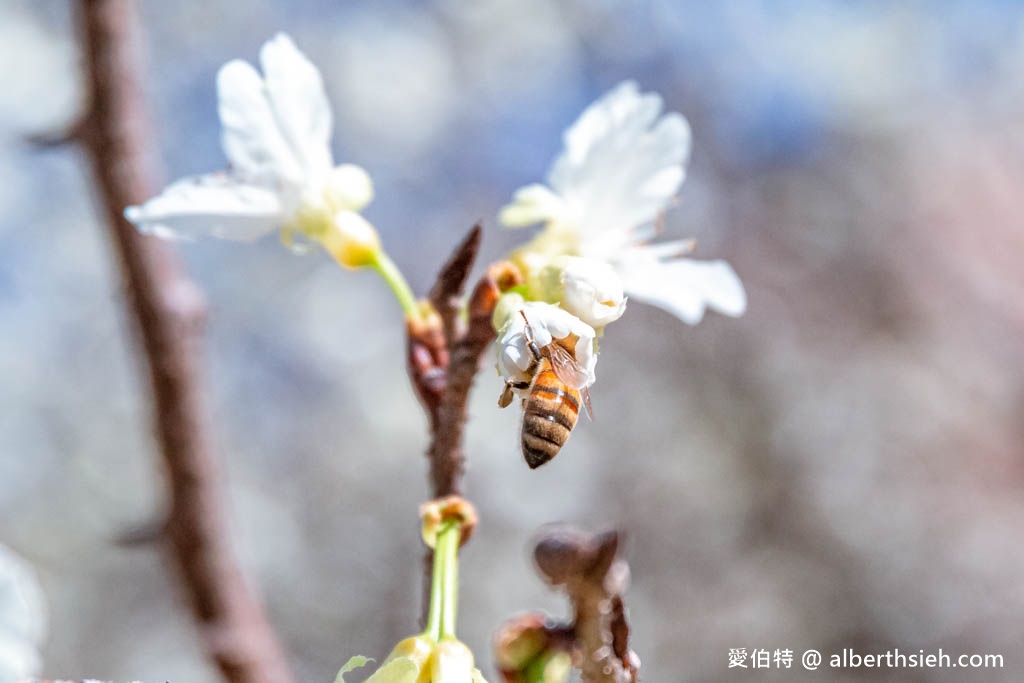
point(169, 311)
point(588, 569)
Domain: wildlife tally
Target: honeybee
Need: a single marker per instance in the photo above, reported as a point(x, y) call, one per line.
point(557, 386)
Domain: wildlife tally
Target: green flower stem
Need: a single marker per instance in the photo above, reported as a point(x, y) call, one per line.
point(387, 269)
point(448, 555)
point(444, 583)
point(436, 587)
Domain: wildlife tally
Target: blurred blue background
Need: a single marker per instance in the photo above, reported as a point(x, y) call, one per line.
point(842, 467)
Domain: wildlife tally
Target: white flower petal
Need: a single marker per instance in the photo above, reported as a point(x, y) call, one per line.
point(348, 187)
point(531, 204)
point(215, 205)
point(296, 93)
point(621, 166)
point(592, 291)
point(547, 323)
point(683, 287)
point(250, 132)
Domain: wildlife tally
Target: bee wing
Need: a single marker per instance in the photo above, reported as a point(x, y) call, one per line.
point(585, 394)
point(566, 368)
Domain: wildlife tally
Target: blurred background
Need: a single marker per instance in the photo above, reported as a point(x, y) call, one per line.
point(842, 467)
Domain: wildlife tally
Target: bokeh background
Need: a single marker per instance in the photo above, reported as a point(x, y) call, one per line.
point(842, 467)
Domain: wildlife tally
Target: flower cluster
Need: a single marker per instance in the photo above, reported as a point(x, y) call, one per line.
point(622, 164)
point(621, 167)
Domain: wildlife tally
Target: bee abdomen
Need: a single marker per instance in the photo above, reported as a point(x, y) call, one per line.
point(549, 417)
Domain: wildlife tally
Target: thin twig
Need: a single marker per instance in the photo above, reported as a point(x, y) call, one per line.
point(169, 312)
point(447, 460)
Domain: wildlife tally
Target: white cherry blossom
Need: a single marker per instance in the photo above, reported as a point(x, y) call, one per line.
point(622, 164)
point(276, 131)
point(548, 324)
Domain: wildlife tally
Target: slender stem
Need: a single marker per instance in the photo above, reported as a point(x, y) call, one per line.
point(448, 557)
point(436, 591)
point(398, 284)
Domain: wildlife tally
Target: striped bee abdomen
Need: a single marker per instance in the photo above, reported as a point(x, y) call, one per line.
point(549, 414)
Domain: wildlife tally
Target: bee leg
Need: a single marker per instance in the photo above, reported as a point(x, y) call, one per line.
point(507, 394)
point(531, 343)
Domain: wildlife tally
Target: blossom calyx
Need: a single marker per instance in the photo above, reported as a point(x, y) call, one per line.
point(436, 513)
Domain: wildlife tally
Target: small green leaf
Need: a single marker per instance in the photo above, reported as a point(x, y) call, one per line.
point(352, 664)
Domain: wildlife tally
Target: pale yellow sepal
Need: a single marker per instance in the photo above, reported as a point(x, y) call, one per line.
point(351, 240)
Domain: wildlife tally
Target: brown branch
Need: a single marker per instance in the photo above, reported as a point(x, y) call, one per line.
point(447, 460)
point(429, 338)
point(587, 568)
point(169, 311)
point(444, 355)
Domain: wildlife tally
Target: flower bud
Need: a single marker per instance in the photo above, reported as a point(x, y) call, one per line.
point(452, 663)
point(351, 240)
point(416, 648)
point(348, 188)
point(520, 640)
point(592, 291)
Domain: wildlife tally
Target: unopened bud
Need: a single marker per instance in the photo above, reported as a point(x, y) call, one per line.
point(520, 640)
point(452, 663)
point(417, 648)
